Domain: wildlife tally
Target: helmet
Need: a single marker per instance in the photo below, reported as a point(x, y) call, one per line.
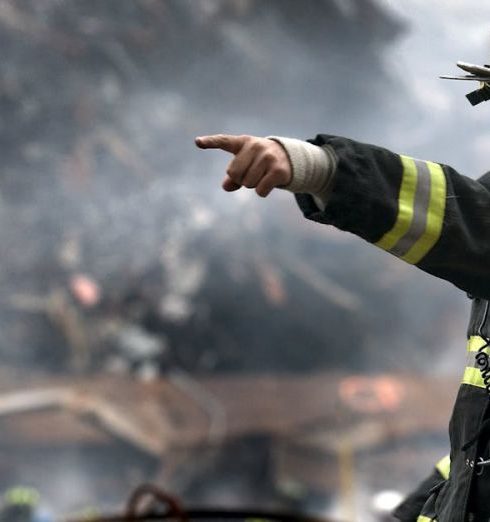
point(19, 504)
point(21, 495)
point(479, 73)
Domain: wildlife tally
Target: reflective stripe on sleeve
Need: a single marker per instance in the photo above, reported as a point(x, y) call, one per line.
point(421, 518)
point(421, 208)
point(444, 467)
point(472, 374)
point(405, 206)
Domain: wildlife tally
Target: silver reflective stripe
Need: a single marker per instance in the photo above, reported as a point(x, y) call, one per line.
point(420, 211)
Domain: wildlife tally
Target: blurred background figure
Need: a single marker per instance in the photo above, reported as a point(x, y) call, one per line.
point(22, 504)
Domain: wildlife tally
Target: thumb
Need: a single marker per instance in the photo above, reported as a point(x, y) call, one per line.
point(226, 142)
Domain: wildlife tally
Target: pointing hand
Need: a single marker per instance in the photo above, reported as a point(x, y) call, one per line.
point(259, 163)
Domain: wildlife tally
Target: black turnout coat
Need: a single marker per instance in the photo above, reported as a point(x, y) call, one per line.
point(428, 215)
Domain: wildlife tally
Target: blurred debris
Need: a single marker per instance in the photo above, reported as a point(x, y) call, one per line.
point(150, 502)
point(110, 418)
point(322, 284)
point(109, 213)
point(191, 433)
point(85, 290)
point(17, 19)
point(272, 283)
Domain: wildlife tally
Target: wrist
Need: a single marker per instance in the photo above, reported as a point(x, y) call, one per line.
point(312, 166)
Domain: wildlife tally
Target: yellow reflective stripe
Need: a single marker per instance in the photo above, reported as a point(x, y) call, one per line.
point(475, 342)
point(444, 466)
point(421, 208)
point(473, 377)
point(435, 216)
point(472, 374)
point(406, 200)
point(425, 519)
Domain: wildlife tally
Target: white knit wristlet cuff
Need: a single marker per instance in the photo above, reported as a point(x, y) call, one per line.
point(313, 166)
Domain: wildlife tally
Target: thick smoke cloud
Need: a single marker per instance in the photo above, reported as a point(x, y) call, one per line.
point(99, 105)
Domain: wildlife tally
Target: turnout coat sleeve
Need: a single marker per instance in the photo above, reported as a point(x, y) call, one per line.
point(410, 509)
point(424, 213)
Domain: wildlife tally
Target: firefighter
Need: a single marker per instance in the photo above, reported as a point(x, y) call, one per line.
point(426, 214)
point(21, 504)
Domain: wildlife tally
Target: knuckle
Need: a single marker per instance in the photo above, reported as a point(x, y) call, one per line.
point(269, 156)
point(256, 145)
point(245, 138)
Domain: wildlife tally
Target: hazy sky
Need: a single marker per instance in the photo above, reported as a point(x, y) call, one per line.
point(441, 33)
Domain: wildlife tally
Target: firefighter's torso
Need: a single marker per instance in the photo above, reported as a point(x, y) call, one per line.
point(469, 431)
point(428, 215)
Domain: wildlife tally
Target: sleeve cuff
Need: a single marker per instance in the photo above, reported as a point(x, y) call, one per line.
point(313, 167)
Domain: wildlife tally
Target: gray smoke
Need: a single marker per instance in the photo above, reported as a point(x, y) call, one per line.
point(99, 105)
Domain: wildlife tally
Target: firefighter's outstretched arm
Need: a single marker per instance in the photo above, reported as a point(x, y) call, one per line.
point(267, 163)
point(422, 212)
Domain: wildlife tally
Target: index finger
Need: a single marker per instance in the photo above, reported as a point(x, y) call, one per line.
point(226, 142)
